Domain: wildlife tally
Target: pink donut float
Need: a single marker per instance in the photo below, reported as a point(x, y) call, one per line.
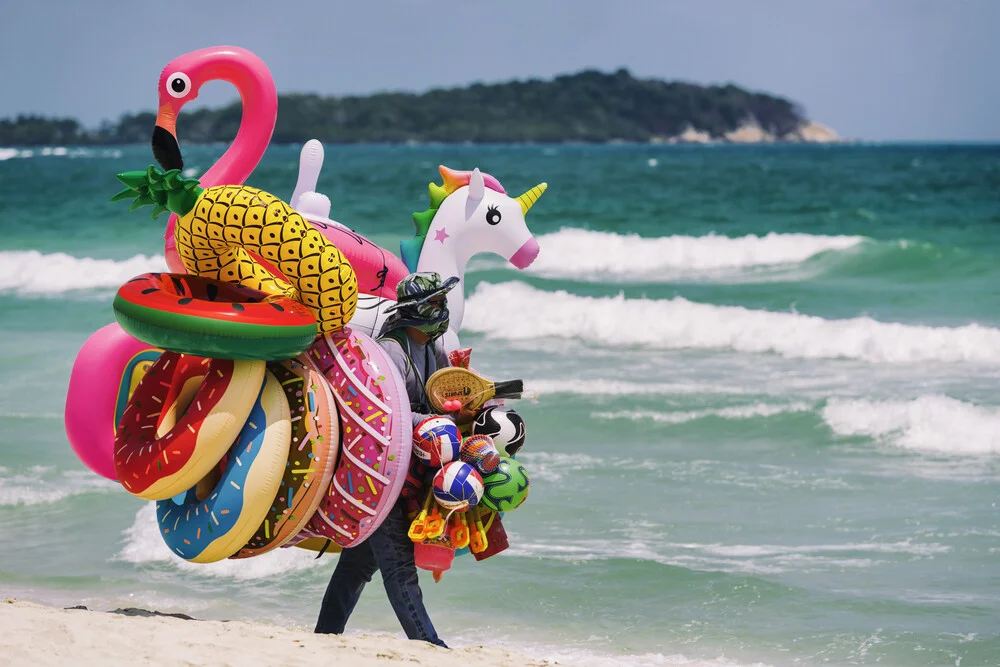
point(311, 456)
point(375, 436)
point(106, 372)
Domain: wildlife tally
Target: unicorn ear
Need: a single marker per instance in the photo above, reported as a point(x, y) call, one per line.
point(477, 188)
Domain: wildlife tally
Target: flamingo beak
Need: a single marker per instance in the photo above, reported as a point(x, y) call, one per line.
point(166, 150)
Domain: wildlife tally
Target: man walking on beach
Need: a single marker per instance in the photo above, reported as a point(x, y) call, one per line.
point(419, 317)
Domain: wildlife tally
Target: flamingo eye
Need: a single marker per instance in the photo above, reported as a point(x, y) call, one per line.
point(178, 84)
point(493, 215)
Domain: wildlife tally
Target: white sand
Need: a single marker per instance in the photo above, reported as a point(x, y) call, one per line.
point(32, 634)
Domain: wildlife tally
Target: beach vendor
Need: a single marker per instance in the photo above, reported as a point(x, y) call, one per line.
point(418, 319)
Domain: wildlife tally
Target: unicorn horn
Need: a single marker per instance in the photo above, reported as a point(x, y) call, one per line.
point(528, 199)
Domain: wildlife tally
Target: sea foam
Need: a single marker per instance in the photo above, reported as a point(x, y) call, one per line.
point(679, 324)
point(605, 255)
point(616, 387)
point(41, 485)
point(644, 544)
point(30, 272)
point(736, 412)
point(7, 153)
point(931, 423)
point(143, 544)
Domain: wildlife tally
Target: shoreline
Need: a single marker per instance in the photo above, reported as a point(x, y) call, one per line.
point(658, 142)
point(16, 151)
point(37, 634)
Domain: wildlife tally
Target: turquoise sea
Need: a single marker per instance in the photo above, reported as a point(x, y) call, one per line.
point(768, 422)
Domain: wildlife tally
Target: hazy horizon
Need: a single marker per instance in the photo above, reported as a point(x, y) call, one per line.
point(888, 71)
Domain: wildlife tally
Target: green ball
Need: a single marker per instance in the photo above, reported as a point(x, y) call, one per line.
point(507, 488)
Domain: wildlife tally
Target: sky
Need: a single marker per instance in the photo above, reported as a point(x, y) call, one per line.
point(880, 70)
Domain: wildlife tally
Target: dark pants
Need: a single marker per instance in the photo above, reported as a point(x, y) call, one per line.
point(390, 550)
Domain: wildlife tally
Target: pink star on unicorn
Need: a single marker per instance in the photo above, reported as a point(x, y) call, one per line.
point(441, 235)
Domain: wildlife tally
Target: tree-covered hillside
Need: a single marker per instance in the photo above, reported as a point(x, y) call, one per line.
point(590, 106)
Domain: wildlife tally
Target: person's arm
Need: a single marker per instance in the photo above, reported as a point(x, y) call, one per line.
point(462, 416)
point(398, 356)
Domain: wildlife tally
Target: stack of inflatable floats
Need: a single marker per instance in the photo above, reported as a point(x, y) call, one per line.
point(243, 391)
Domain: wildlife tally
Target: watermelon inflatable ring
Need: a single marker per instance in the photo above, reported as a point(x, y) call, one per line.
point(213, 318)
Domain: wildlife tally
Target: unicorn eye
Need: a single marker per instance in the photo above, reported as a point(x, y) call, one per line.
point(493, 215)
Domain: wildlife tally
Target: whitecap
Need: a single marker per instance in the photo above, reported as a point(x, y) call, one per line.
point(144, 544)
point(929, 423)
point(605, 255)
point(30, 272)
point(677, 323)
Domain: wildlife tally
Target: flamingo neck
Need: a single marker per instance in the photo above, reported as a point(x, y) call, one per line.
point(259, 99)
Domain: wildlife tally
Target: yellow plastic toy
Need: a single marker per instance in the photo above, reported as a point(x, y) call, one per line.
point(218, 227)
point(477, 538)
point(459, 530)
point(418, 528)
point(435, 523)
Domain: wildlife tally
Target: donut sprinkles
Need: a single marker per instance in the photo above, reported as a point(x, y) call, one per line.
point(157, 468)
point(375, 446)
point(209, 530)
point(311, 456)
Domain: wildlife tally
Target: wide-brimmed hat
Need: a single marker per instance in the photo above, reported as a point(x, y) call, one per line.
point(418, 288)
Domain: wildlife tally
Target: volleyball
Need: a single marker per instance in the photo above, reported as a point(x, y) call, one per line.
point(458, 486)
point(436, 441)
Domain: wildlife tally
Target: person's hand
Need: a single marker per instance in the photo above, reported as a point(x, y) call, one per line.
point(463, 416)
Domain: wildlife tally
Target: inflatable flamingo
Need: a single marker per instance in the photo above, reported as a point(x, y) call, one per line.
point(180, 82)
point(104, 358)
point(378, 270)
point(102, 368)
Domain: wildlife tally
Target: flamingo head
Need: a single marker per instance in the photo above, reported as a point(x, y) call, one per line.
point(180, 82)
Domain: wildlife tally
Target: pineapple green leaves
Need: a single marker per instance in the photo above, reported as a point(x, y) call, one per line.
point(165, 191)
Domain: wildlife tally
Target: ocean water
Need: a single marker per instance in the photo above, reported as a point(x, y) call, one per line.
point(767, 429)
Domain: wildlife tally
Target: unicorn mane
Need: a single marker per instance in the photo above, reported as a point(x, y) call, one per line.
point(452, 180)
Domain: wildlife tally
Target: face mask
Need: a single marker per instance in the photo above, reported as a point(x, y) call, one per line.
point(429, 318)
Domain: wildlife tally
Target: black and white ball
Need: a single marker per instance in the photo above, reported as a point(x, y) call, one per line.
point(503, 425)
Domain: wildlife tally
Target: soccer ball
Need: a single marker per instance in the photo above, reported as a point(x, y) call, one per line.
point(458, 486)
point(503, 425)
point(507, 488)
point(436, 441)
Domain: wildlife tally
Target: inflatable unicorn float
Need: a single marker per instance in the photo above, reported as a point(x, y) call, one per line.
point(448, 235)
point(243, 390)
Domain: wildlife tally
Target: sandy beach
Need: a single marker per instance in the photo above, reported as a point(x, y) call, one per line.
point(34, 634)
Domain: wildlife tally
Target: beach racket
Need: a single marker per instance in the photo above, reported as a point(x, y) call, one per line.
point(469, 389)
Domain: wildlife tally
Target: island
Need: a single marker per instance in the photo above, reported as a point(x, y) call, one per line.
point(586, 107)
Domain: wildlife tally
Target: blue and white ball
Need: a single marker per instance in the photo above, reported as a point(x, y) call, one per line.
point(503, 425)
point(458, 486)
point(436, 441)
